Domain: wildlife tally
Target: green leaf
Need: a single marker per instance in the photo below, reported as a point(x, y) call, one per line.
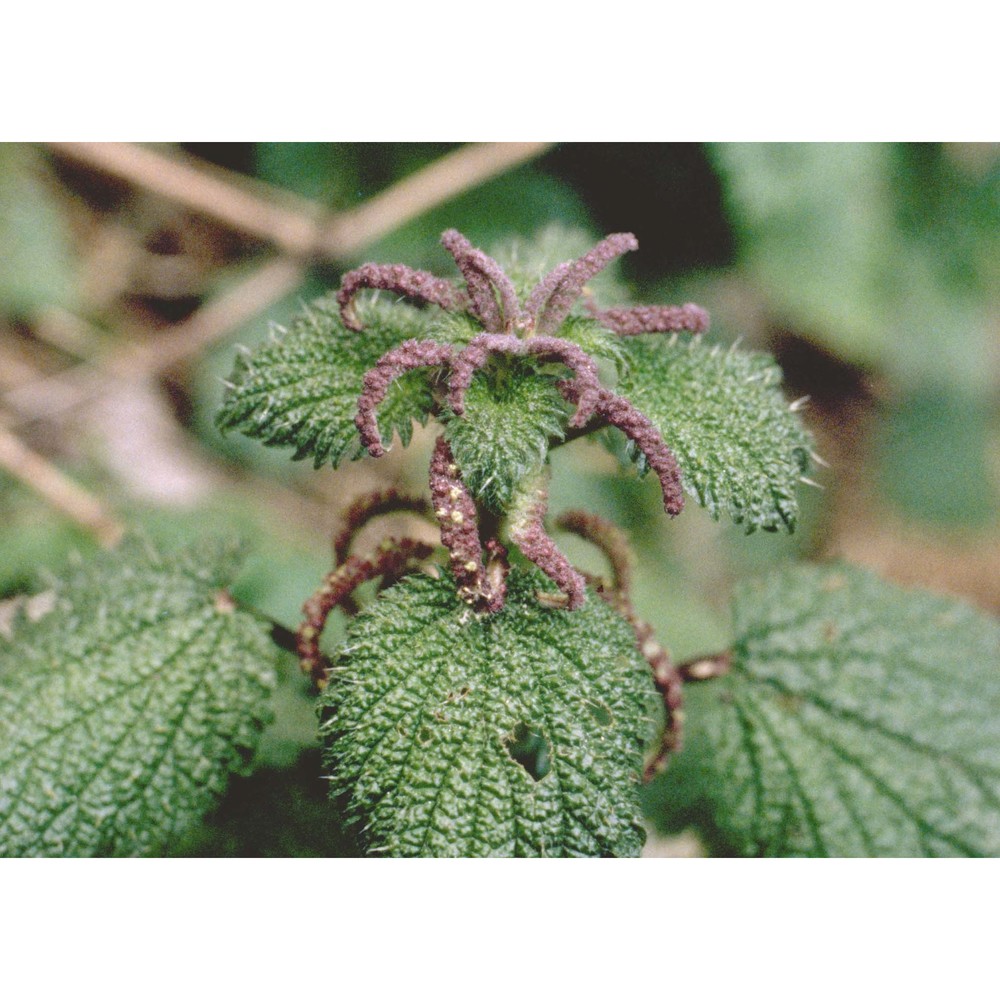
point(301, 389)
point(740, 449)
point(519, 733)
point(859, 719)
point(511, 413)
point(124, 709)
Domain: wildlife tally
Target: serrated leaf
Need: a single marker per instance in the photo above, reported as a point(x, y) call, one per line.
point(740, 449)
point(859, 719)
point(301, 390)
point(124, 709)
point(511, 414)
point(514, 734)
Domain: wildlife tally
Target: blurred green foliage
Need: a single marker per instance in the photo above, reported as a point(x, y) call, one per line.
point(36, 264)
point(934, 454)
point(888, 254)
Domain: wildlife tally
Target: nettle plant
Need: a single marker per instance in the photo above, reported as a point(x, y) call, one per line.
point(490, 698)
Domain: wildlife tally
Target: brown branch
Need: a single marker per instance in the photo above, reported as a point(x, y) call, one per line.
point(297, 227)
point(244, 205)
point(54, 486)
point(217, 317)
point(238, 305)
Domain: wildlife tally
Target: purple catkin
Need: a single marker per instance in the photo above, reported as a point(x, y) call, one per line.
point(403, 358)
point(629, 322)
point(456, 513)
point(636, 426)
point(541, 293)
point(483, 301)
point(528, 533)
point(484, 279)
point(371, 505)
point(667, 677)
point(420, 285)
point(486, 282)
point(573, 356)
point(478, 350)
point(392, 560)
point(549, 316)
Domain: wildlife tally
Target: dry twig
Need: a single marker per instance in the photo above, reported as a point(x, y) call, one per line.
point(295, 226)
point(40, 475)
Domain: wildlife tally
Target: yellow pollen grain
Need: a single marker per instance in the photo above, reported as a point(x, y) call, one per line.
point(456, 516)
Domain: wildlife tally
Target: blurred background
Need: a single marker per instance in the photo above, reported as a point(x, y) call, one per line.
point(129, 275)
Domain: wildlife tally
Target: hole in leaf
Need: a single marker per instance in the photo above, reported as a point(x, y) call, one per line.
point(601, 713)
point(531, 750)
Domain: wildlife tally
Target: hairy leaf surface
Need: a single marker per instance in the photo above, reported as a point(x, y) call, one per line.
point(859, 719)
point(301, 389)
point(515, 734)
point(511, 414)
point(124, 709)
point(740, 450)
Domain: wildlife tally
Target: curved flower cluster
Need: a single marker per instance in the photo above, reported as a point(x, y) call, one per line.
point(523, 329)
point(456, 513)
point(393, 558)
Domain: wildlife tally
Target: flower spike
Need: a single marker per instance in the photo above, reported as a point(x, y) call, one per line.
point(527, 531)
point(620, 413)
point(667, 675)
point(551, 301)
point(420, 285)
point(630, 322)
point(610, 539)
point(486, 283)
point(407, 356)
point(456, 513)
point(371, 505)
point(394, 558)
